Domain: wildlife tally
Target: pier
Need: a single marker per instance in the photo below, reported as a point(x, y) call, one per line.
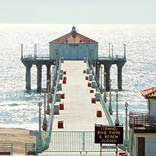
point(74, 46)
point(71, 128)
point(79, 113)
point(74, 102)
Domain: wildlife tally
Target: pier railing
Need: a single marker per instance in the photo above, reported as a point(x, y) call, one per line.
point(101, 99)
point(143, 119)
point(32, 57)
point(125, 145)
point(76, 141)
point(45, 57)
point(116, 57)
point(42, 141)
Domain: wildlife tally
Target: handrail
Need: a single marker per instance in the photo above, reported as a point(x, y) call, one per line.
point(101, 99)
point(35, 57)
point(125, 145)
point(43, 144)
point(142, 120)
point(112, 57)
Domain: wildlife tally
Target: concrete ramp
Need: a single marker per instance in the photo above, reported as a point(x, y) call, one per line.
point(79, 113)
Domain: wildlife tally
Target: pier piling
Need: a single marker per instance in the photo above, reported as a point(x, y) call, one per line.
point(39, 77)
point(97, 72)
point(119, 66)
point(48, 74)
point(107, 70)
point(28, 76)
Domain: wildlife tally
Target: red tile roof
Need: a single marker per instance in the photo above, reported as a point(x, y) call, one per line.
point(73, 37)
point(149, 93)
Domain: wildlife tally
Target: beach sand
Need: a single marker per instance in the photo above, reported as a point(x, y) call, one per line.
point(18, 137)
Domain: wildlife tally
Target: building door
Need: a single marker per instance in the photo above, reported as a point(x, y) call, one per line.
point(141, 146)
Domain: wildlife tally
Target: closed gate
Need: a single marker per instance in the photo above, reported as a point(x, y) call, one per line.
point(75, 141)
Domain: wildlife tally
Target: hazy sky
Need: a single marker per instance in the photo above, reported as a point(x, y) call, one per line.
point(78, 11)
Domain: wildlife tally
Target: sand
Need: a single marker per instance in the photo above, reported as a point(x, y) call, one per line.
point(18, 137)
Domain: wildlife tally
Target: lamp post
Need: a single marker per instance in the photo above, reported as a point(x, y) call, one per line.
point(39, 105)
point(126, 123)
point(110, 99)
point(105, 94)
point(44, 127)
point(35, 50)
point(48, 84)
point(109, 48)
point(21, 51)
point(48, 107)
point(97, 71)
point(101, 79)
point(50, 90)
point(125, 51)
point(117, 120)
point(112, 51)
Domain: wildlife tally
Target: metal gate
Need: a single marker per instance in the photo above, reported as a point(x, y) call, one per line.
point(75, 141)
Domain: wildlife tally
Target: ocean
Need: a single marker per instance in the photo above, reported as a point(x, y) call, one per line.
point(19, 109)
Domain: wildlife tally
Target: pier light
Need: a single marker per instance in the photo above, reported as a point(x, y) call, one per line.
point(101, 88)
point(44, 127)
point(35, 50)
point(48, 83)
point(109, 49)
point(39, 105)
point(97, 72)
point(117, 120)
point(126, 124)
point(125, 51)
point(105, 93)
point(110, 99)
point(112, 51)
point(21, 51)
point(50, 92)
point(48, 106)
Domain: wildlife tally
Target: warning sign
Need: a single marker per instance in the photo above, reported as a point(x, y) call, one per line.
point(108, 134)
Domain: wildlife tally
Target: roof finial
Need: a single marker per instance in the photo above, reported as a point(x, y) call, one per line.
point(74, 31)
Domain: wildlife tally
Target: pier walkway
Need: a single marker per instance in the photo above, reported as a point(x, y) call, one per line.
point(79, 114)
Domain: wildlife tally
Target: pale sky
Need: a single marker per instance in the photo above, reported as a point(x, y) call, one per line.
point(78, 11)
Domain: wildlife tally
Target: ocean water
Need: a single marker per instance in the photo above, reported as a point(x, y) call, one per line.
point(19, 108)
